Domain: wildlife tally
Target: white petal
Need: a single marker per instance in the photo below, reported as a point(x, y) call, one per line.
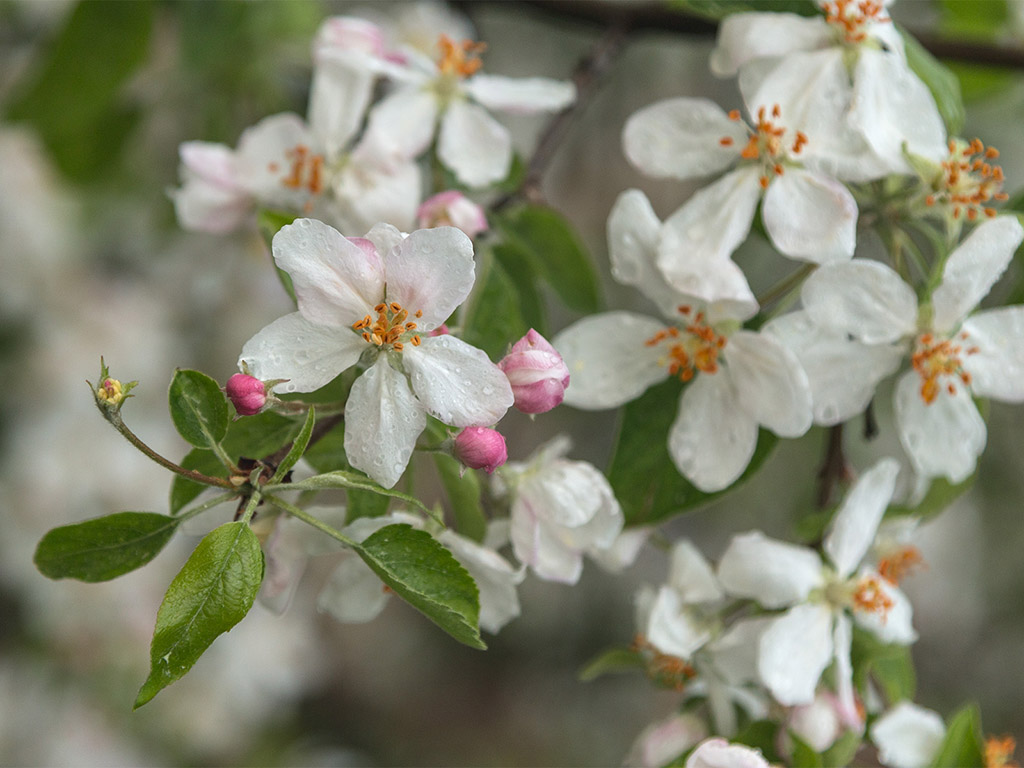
point(846, 704)
point(811, 217)
point(774, 573)
point(432, 270)
point(672, 629)
point(863, 298)
point(385, 237)
point(338, 97)
point(908, 736)
point(205, 207)
point(663, 741)
point(973, 268)
point(842, 373)
point(681, 138)
point(535, 544)
point(795, 651)
point(368, 193)
point(691, 576)
point(894, 625)
point(743, 37)
point(476, 147)
point(944, 438)
point(457, 383)
point(494, 576)
point(307, 355)
point(382, 421)
point(608, 362)
point(769, 382)
point(892, 107)
point(718, 753)
point(997, 368)
point(698, 239)
point(856, 521)
point(263, 161)
point(712, 438)
point(735, 652)
point(402, 124)
point(572, 495)
point(354, 594)
point(336, 282)
point(523, 95)
point(623, 551)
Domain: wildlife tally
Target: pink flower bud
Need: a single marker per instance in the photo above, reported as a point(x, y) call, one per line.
point(247, 393)
point(481, 448)
point(452, 209)
point(348, 34)
point(537, 373)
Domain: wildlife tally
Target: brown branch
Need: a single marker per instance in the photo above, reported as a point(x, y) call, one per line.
point(834, 468)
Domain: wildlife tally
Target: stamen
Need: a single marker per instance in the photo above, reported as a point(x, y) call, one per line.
point(999, 752)
point(871, 597)
point(664, 669)
point(694, 347)
point(459, 59)
point(935, 360)
point(969, 182)
point(306, 170)
point(896, 566)
point(851, 17)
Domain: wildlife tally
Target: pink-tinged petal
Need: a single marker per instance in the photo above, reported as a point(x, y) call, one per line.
point(973, 268)
point(892, 107)
point(307, 355)
point(336, 282)
point(452, 208)
point(856, 521)
point(382, 421)
point(712, 438)
point(264, 158)
point(908, 736)
point(354, 594)
point(794, 652)
point(608, 360)
point(385, 237)
point(457, 383)
point(338, 97)
point(672, 628)
point(522, 95)
point(997, 367)
point(691, 576)
point(772, 572)
point(202, 206)
point(494, 576)
point(846, 703)
point(743, 37)
point(698, 239)
point(811, 217)
point(718, 753)
point(661, 742)
point(476, 147)
point(770, 384)
point(842, 373)
point(431, 271)
point(536, 545)
point(863, 298)
point(944, 438)
point(367, 193)
point(402, 124)
point(214, 163)
point(894, 625)
point(681, 138)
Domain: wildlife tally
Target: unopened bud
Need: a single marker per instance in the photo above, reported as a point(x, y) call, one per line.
point(452, 209)
point(481, 448)
point(537, 373)
point(111, 393)
point(247, 393)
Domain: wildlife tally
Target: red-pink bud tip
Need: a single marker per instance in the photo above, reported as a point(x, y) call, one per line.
point(247, 393)
point(481, 448)
point(537, 373)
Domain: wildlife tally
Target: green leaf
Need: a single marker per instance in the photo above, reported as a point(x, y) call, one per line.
point(964, 745)
point(270, 223)
point(803, 755)
point(962, 19)
point(555, 253)
point(715, 10)
point(516, 264)
point(493, 320)
point(298, 447)
point(105, 547)
point(328, 454)
point(184, 490)
point(464, 494)
point(73, 96)
point(645, 480)
point(426, 575)
point(213, 591)
point(843, 750)
point(761, 734)
point(258, 436)
point(612, 661)
point(942, 83)
point(890, 666)
point(941, 493)
point(199, 409)
point(351, 480)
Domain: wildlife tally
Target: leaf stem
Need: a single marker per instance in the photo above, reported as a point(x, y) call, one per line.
point(307, 518)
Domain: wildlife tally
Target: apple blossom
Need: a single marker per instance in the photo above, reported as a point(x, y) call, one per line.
point(662, 742)
point(452, 208)
point(718, 753)
point(481, 448)
point(376, 305)
point(537, 373)
point(247, 393)
point(908, 736)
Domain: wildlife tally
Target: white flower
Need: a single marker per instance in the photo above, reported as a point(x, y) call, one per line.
point(560, 510)
point(819, 596)
point(955, 355)
point(374, 300)
point(470, 142)
point(908, 736)
point(739, 379)
point(843, 78)
point(807, 215)
point(718, 753)
point(661, 742)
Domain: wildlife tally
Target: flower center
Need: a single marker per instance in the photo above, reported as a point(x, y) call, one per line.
point(895, 566)
point(303, 171)
point(852, 17)
point(999, 751)
point(110, 391)
point(693, 347)
point(765, 144)
point(664, 669)
point(869, 596)
point(459, 60)
point(935, 358)
point(392, 328)
point(969, 181)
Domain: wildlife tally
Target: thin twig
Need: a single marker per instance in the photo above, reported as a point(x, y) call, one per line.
point(834, 468)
